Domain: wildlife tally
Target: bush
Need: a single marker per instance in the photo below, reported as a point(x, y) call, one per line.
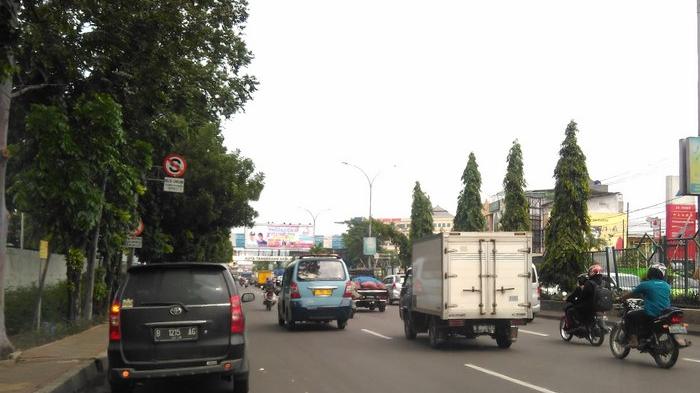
point(20, 305)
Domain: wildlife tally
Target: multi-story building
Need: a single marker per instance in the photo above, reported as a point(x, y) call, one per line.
point(442, 221)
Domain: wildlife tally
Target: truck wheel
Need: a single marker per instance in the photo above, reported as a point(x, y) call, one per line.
point(342, 323)
point(503, 338)
point(382, 307)
point(408, 328)
point(434, 334)
point(372, 307)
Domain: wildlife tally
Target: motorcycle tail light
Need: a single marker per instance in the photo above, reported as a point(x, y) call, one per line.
point(676, 319)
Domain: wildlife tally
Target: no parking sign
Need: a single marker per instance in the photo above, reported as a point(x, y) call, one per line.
point(174, 165)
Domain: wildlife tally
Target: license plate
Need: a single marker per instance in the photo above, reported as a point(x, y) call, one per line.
point(323, 292)
point(677, 329)
point(483, 328)
point(169, 334)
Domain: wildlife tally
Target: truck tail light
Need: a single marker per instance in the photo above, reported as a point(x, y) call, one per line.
point(115, 333)
point(294, 291)
point(237, 318)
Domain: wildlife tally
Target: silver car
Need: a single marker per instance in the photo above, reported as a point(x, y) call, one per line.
point(393, 284)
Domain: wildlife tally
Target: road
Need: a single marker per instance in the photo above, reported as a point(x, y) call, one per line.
point(372, 355)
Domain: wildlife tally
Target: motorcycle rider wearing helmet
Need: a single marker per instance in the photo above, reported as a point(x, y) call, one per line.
point(657, 297)
point(584, 310)
point(574, 298)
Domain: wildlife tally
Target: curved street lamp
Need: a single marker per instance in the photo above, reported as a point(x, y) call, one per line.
point(371, 183)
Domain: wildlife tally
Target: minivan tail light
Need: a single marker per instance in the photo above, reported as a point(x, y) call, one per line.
point(294, 291)
point(348, 289)
point(115, 333)
point(237, 319)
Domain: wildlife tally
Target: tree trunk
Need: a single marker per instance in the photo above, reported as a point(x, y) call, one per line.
point(5, 90)
point(42, 281)
point(92, 255)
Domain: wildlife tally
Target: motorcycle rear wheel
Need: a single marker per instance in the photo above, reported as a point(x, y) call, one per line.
point(618, 348)
point(562, 332)
point(667, 359)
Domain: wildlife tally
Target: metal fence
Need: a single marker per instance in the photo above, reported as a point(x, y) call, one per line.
point(625, 268)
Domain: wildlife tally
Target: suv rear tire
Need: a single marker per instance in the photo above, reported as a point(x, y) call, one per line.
point(119, 386)
point(241, 385)
point(342, 323)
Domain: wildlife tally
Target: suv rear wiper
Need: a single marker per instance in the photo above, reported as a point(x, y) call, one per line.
point(166, 304)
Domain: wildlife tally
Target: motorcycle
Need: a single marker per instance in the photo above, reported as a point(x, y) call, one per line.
point(270, 299)
point(662, 340)
point(594, 331)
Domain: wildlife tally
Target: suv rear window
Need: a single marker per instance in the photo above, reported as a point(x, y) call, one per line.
point(187, 286)
point(320, 270)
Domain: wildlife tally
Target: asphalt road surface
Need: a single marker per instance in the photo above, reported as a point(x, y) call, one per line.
point(372, 355)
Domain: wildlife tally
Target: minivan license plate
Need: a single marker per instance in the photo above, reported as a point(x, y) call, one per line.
point(323, 292)
point(168, 334)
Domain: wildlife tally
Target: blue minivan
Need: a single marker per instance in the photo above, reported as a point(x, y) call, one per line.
point(315, 288)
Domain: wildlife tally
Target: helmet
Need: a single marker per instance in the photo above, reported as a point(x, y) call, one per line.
point(656, 271)
point(595, 270)
point(582, 278)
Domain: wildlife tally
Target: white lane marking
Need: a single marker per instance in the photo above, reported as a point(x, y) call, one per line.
point(691, 360)
point(509, 379)
point(376, 334)
point(535, 333)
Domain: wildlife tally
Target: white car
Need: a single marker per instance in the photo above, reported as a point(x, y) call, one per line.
point(393, 284)
point(535, 283)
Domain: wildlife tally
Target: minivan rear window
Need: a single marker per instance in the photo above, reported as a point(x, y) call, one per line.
point(320, 270)
point(186, 286)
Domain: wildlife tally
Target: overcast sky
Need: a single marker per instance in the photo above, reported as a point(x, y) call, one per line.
point(409, 88)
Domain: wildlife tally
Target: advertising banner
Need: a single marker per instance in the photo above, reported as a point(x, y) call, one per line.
point(279, 236)
point(610, 228)
point(680, 223)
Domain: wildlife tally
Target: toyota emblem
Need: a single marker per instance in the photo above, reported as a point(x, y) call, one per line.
point(177, 310)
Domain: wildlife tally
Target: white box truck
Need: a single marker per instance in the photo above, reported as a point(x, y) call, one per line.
point(469, 284)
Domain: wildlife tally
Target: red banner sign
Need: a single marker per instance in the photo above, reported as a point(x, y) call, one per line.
point(680, 224)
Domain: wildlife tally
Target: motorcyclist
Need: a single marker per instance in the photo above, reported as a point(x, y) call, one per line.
point(584, 310)
point(657, 297)
point(573, 299)
point(269, 285)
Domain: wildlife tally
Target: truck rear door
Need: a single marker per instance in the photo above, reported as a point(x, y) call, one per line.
point(488, 276)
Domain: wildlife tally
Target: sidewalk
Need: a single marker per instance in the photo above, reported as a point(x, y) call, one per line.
point(48, 367)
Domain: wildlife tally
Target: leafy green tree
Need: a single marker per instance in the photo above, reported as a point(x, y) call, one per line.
point(421, 214)
point(568, 229)
point(516, 216)
point(357, 230)
point(469, 215)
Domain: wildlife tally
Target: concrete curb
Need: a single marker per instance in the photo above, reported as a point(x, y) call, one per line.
point(78, 378)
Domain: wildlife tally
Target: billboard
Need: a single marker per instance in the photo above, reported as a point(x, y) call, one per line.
point(680, 220)
point(610, 228)
point(279, 236)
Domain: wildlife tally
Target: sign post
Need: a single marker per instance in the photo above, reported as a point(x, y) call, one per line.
point(174, 166)
point(43, 260)
point(369, 245)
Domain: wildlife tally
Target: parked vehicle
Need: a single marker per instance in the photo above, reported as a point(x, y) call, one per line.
point(625, 281)
point(394, 284)
point(315, 288)
point(370, 293)
point(664, 339)
point(682, 286)
point(175, 319)
point(594, 331)
point(469, 284)
point(535, 291)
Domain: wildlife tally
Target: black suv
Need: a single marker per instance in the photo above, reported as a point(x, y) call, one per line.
point(177, 319)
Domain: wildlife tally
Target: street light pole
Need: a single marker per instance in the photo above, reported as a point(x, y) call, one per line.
point(371, 183)
point(314, 217)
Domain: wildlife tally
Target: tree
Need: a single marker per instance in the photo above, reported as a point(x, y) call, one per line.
point(469, 216)
point(421, 215)
point(516, 216)
point(568, 229)
point(357, 230)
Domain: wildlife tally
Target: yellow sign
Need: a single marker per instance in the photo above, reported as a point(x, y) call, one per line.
point(44, 249)
point(610, 228)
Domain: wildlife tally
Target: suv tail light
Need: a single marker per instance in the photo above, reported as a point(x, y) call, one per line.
point(676, 319)
point(348, 289)
point(237, 319)
point(294, 290)
point(115, 333)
